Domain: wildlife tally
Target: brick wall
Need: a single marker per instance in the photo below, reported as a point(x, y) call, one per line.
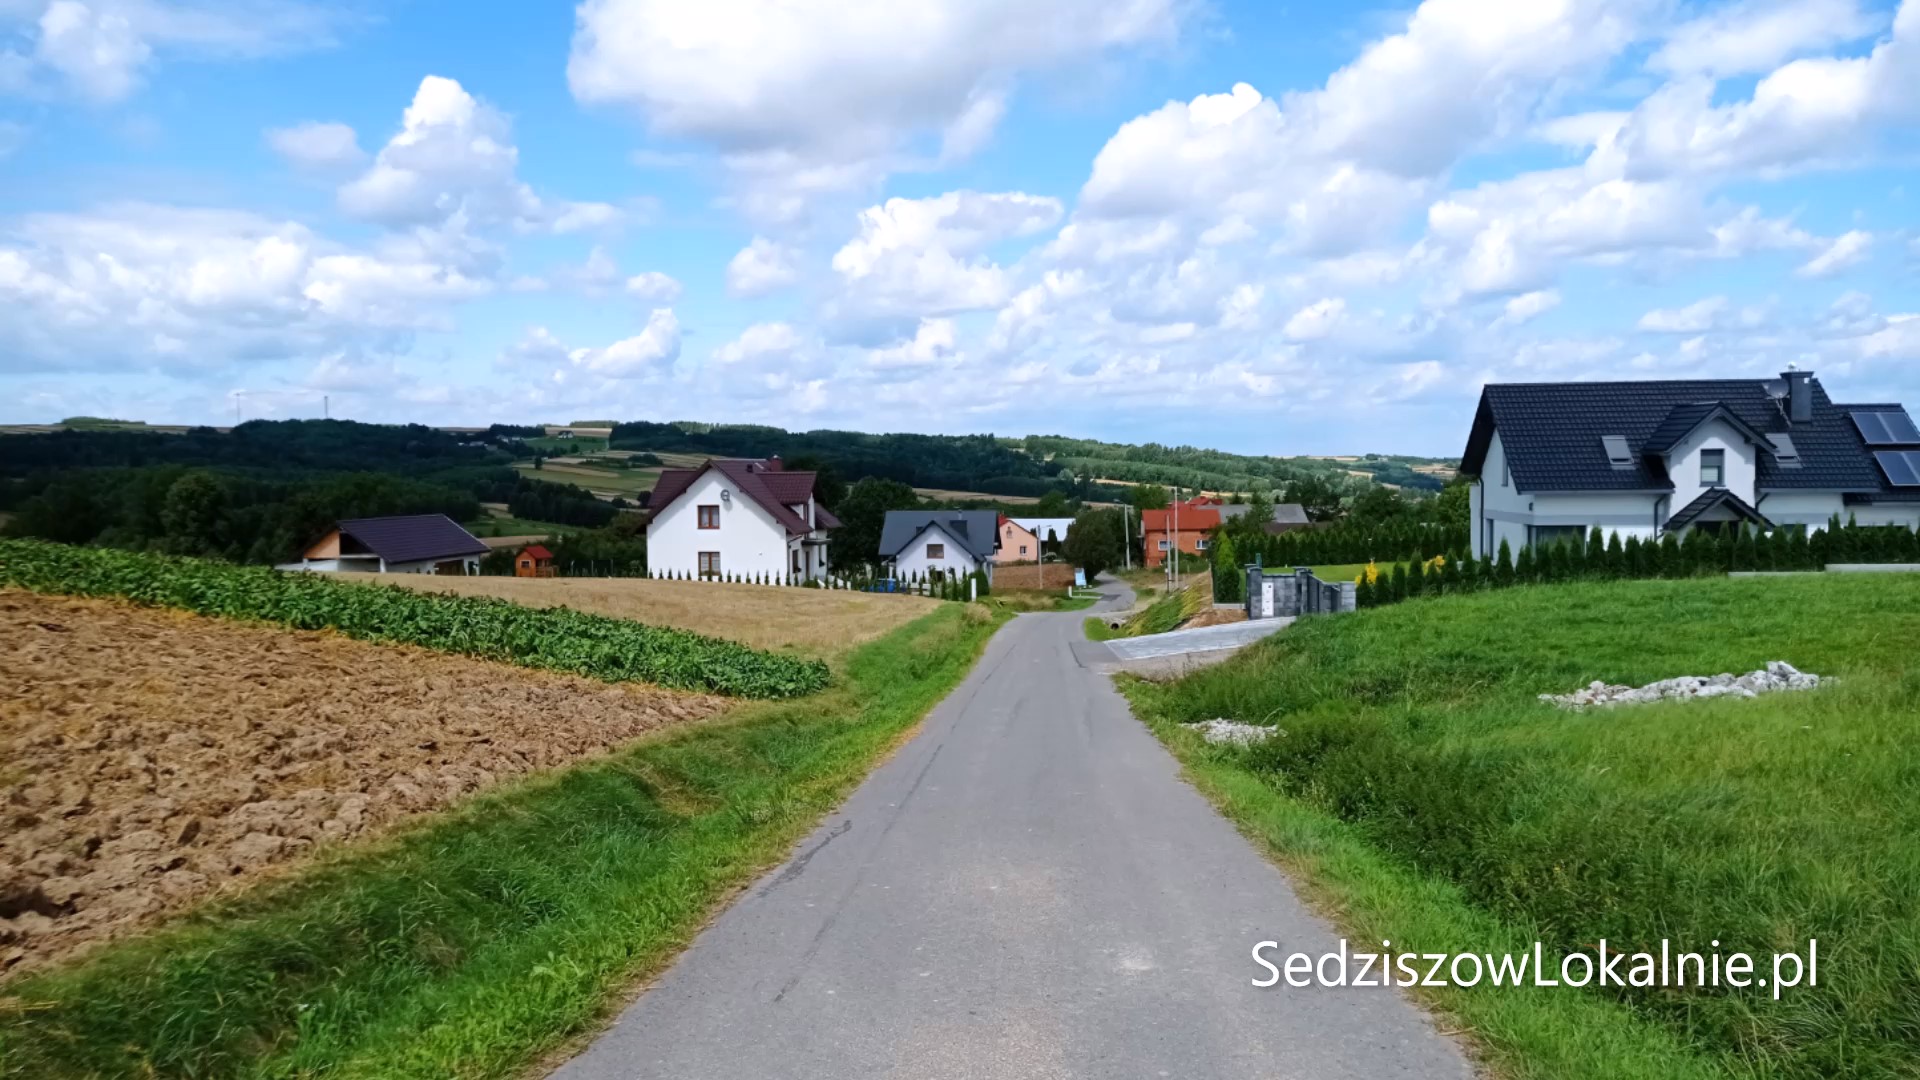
point(1031, 575)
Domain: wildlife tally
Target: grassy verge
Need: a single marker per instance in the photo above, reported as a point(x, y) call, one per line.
point(471, 945)
point(1019, 600)
point(1098, 630)
point(1423, 793)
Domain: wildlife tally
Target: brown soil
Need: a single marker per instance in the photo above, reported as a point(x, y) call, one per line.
point(149, 758)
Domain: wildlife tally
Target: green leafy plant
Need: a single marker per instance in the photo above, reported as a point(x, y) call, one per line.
point(556, 639)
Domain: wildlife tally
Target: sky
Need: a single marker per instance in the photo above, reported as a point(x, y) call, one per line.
point(1262, 228)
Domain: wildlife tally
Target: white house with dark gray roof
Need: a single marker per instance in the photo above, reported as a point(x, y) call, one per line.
point(1554, 460)
point(939, 543)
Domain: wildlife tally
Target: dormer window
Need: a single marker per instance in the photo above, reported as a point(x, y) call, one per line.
point(1713, 468)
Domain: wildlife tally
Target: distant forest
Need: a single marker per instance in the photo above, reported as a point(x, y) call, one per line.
point(267, 489)
point(1030, 466)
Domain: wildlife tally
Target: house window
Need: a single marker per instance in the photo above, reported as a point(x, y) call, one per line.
point(709, 564)
point(796, 560)
point(1164, 545)
point(1713, 468)
point(710, 517)
point(1023, 549)
point(1199, 545)
point(1547, 535)
point(936, 551)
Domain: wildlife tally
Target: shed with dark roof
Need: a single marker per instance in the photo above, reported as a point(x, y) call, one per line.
point(401, 544)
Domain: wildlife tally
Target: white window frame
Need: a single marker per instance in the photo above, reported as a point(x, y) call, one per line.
point(1719, 467)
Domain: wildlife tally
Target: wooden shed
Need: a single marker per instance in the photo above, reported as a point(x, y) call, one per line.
point(534, 560)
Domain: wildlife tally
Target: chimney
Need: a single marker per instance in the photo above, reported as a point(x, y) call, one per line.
point(774, 464)
point(1799, 394)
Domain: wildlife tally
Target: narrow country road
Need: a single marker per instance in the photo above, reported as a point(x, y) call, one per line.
point(1026, 890)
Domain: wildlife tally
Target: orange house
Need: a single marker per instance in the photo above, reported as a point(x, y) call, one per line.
point(534, 560)
point(1184, 527)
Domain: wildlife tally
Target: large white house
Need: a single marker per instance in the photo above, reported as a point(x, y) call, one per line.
point(939, 543)
point(735, 517)
point(1554, 460)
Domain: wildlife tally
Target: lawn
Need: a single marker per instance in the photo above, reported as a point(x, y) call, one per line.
point(476, 943)
point(814, 622)
point(508, 525)
point(1423, 794)
point(592, 477)
point(1339, 572)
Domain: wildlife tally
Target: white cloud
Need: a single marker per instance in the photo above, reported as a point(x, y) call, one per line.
point(834, 93)
point(655, 286)
point(918, 257)
point(1848, 249)
point(759, 340)
point(1756, 35)
point(453, 160)
point(1528, 306)
point(650, 352)
point(137, 284)
point(1316, 320)
point(1702, 316)
point(317, 146)
point(1806, 113)
point(763, 266)
point(933, 342)
point(99, 50)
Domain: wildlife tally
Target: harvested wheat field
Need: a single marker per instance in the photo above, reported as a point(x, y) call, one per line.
point(149, 758)
point(815, 622)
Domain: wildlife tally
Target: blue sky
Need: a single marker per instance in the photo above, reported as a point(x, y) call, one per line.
point(1312, 228)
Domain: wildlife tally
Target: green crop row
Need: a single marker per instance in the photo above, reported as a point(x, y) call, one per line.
point(556, 639)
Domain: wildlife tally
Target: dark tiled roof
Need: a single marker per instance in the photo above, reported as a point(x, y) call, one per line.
point(1551, 433)
point(1683, 419)
point(976, 530)
point(411, 537)
point(773, 491)
point(1711, 498)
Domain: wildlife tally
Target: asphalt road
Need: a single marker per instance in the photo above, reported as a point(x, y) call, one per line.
point(1026, 890)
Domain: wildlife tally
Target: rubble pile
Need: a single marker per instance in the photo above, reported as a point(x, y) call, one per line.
point(1778, 675)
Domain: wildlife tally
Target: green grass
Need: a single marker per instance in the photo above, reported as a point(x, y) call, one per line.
point(475, 943)
point(592, 477)
point(1425, 796)
point(1098, 630)
point(1338, 572)
point(552, 445)
point(1019, 600)
point(513, 526)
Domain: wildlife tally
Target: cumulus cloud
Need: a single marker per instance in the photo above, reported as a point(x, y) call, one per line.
point(1847, 249)
point(763, 266)
point(1528, 306)
point(759, 340)
point(454, 159)
point(1712, 313)
point(1316, 320)
point(319, 147)
point(926, 256)
point(833, 93)
point(185, 289)
point(650, 352)
point(654, 285)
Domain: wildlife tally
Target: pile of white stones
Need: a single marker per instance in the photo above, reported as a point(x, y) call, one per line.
point(1231, 731)
point(1779, 675)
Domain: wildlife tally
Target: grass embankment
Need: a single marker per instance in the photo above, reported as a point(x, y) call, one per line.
point(552, 639)
point(1164, 614)
point(474, 944)
point(1022, 600)
point(1423, 793)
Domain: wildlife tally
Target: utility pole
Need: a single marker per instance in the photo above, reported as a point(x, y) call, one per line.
point(1126, 535)
point(1173, 544)
point(326, 407)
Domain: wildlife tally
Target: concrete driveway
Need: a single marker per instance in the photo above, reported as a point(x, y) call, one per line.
point(1026, 890)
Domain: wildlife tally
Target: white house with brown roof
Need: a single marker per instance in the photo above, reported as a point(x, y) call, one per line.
point(735, 517)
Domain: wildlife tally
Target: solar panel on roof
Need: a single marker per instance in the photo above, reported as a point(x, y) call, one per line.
point(1886, 428)
point(1901, 466)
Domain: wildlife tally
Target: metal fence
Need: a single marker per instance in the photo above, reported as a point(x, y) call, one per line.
point(1273, 595)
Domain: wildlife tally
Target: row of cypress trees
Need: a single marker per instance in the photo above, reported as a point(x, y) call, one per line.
point(1603, 556)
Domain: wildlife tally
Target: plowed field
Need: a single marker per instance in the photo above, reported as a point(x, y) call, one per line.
point(150, 758)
